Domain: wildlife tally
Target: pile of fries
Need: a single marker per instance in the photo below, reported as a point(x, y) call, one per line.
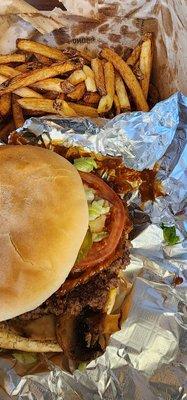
point(39, 80)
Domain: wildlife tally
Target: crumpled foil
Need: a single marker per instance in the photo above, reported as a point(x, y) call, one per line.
point(147, 359)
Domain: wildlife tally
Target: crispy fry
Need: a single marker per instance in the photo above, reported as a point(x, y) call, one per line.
point(57, 106)
point(43, 49)
point(90, 80)
point(43, 59)
point(133, 58)
point(137, 71)
point(84, 111)
point(77, 77)
point(6, 130)
point(97, 67)
point(51, 94)
point(122, 93)
point(116, 104)
point(66, 86)
point(9, 72)
point(78, 92)
point(105, 104)
point(128, 76)
point(91, 98)
point(34, 76)
point(3, 79)
point(61, 96)
point(29, 66)
point(53, 84)
point(17, 112)
point(8, 58)
point(146, 57)
point(26, 92)
point(109, 79)
point(90, 85)
point(5, 105)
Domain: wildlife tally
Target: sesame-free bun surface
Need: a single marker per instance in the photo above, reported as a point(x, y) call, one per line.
point(43, 221)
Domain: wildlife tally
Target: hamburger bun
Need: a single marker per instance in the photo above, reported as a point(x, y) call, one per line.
point(43, 221)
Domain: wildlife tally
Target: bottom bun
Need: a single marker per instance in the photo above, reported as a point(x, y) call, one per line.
point(12, 341)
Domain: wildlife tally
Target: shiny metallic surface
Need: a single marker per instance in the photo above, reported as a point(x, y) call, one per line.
point(147, 359)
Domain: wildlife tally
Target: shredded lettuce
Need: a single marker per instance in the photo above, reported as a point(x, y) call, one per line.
point(86, 246)
point(89, 194)
point(25, 358)
point(97, 208)
point(85, 164)
point(97, 237)
point(170, 236)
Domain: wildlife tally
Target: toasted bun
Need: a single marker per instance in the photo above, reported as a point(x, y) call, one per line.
point(43, 221)
point(12, 341)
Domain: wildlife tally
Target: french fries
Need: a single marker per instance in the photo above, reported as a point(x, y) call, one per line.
point(97, 68)
point(109, 79)
point(32, 77)
point(53, 84)
point(122, 93)
point(17, 112)
point(105, 104)
point(34, 47)
point(57, 106)
point(116, 104)
point(91, 98)
point(5, 105)
point(146, 57)
point(89, 81)
point(84, 111)
point(128, 77)
point(40, 79)
point(9, 58)
point(78, 92)
point(133, 58)
point(77, 77)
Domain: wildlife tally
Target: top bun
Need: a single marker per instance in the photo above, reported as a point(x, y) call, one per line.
point(43, 221)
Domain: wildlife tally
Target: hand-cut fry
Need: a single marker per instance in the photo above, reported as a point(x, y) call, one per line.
point(97, 68)
point(34, 76)
point(43, 49)
point(29, 66)
point(117, 105)
point(122, 93)
point(43, 59)
point(88, 71)
point(133, 58)
point(77, 77)
point(137, 71)
point(26, 92)
point(8, 58)
point(146, 57)
point(84, 111)
point(66, 86)
point(3, 79)
point(91, 98)
point(109, 79)
point(128, 76)
point(90, 80)
point(17, 112)
point(5, 105)
point(53, 84)
point(57, 106)
point(6, 130)
point(9, 72)
point(105, 104)
point(90, 84)
point(78, 92)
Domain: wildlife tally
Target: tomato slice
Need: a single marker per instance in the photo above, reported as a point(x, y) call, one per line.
point(119, 219)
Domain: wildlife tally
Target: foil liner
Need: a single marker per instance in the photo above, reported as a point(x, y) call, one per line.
point(147, 359)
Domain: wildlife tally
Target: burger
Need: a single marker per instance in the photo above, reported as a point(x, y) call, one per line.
point(63, 242)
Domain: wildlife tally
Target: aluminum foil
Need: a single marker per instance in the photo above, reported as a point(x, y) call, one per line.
point(147, 359)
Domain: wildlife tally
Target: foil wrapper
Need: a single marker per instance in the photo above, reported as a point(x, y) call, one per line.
point(147, 359)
